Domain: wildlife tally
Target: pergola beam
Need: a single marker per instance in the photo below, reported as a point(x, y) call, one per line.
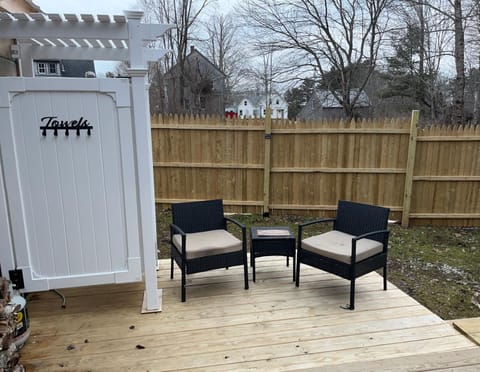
point(38, 52)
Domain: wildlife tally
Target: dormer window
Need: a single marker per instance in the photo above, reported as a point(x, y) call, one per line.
point(278, 102)
point(47, 68)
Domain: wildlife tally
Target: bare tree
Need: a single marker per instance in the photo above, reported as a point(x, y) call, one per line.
point(184, 14)
point(340, 36)
point(457, 13)
point(472, 34)
point(224, 48)
point(459, 94)
point(421, 41)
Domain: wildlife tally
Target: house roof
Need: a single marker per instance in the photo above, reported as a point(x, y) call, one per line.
point(325, 100)
point(19, 6)
point(194, 53)
point(328, 100)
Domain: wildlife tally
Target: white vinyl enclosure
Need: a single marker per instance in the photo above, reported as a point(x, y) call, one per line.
point(77, 200)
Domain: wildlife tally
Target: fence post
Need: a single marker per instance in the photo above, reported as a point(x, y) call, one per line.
point(267, 161)
point(412, 147)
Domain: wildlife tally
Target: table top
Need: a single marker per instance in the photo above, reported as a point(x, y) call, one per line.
point(271, 232)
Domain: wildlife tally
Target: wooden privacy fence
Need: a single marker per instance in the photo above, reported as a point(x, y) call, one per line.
point(425, 176)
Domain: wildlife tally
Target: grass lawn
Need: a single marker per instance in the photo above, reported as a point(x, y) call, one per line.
point(438, 266)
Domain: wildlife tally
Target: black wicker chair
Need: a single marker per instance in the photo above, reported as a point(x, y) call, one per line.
point(359, 232)
point(200, 240)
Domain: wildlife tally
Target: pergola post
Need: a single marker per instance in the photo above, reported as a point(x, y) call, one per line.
point(138, 75)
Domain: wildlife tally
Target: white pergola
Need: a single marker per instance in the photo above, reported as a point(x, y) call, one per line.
point(85, 36)
point(108, 38)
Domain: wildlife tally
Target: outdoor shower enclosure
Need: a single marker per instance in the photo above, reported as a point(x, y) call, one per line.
point(76, 179)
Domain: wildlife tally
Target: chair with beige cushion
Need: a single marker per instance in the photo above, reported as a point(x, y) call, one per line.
point(200, 240)
point(357, 245)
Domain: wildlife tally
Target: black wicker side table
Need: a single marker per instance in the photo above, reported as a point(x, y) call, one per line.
point(272, 241)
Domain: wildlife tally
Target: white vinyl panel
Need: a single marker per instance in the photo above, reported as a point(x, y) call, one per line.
point(98, 192)
point(65, 108)
point(28, 140)
point(54, 190)
point(83, 186)
point(7, 257)
point(12, 187)
point(112, 163)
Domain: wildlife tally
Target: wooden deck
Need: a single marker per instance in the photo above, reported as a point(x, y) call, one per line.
point(222, 327)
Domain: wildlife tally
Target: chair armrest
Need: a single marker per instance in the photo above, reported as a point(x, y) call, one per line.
point(235, 222)
point(316, 221)
point(175, 228)
point(366, 235)
point(244, 232)
point(305, 224)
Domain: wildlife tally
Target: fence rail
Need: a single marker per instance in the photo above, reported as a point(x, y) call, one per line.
point(426, 176)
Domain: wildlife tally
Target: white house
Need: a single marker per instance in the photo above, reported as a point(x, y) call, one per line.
point(254, 106)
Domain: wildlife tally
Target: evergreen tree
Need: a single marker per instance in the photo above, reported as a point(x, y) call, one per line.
point(297, 97)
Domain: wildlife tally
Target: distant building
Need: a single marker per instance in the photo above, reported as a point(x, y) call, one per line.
point(254, 106)
point(198, 89)
point(64, 68)
point(8, 64)
point(323, 104)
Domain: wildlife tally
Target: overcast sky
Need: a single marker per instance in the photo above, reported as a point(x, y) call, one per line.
point(86, 6)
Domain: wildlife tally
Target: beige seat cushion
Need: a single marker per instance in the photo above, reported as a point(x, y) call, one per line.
point(208, 243)
point(338, 246)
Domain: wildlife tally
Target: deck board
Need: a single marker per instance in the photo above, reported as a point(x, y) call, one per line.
point(271, 326)
point(470, 327)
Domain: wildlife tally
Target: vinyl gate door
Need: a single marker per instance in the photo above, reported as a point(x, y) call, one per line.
point(69, 181)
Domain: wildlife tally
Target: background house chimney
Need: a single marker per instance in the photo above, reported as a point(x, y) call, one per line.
point(192, 49)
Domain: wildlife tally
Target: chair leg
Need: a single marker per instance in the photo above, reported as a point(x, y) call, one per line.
point(297, 281)
point(294, 265)
point(352, 294)
point(245, 272)
point(184, 283)
point(385, 278)
point(171, 267)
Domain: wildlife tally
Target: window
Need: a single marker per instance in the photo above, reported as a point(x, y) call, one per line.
point(52, 69)
point(41, 68)
point(244, 103)
point(278, 102)
point(241, 112)
point(47, 68)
